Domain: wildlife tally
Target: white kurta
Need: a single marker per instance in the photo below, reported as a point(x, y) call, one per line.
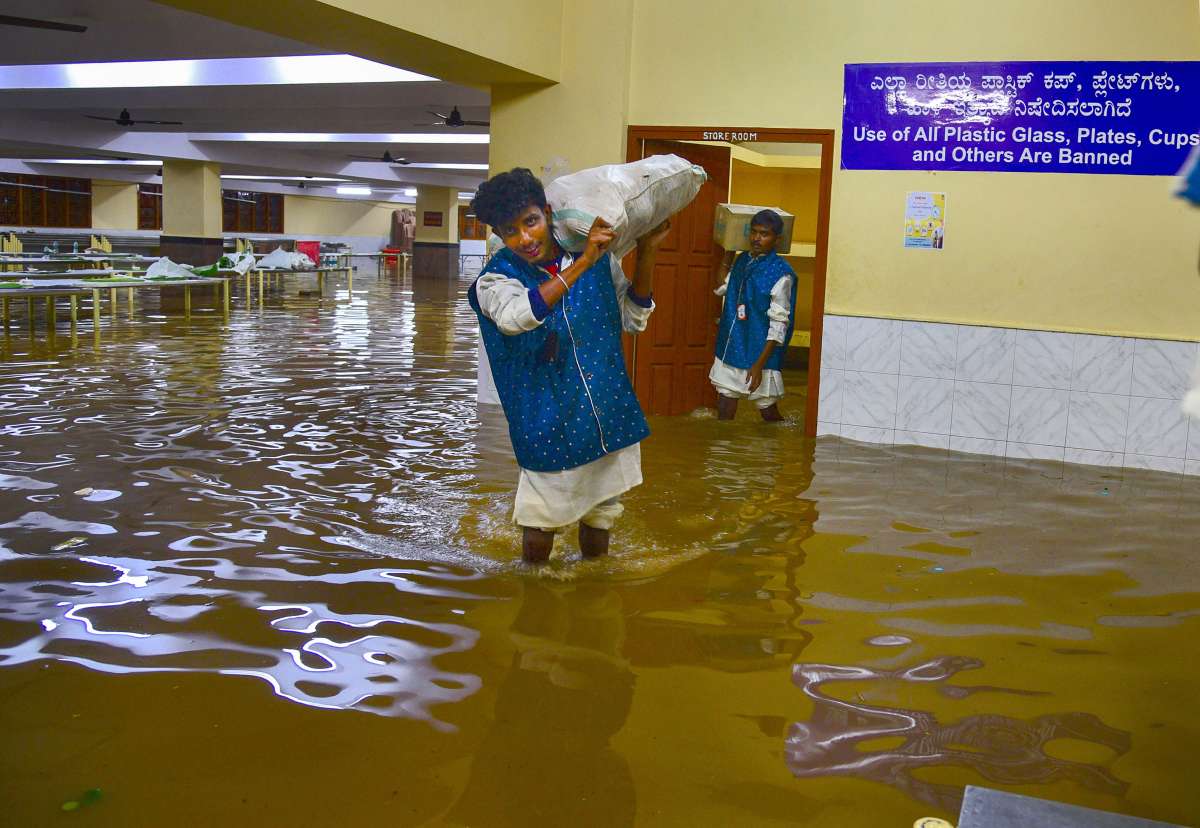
point(735, 382)
point(591, 492)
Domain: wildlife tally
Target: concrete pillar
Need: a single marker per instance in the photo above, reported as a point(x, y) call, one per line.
point(191, 212)
point(114, 205)
point(435, 246)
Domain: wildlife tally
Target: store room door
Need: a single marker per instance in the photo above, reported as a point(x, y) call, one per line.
point(672, 357)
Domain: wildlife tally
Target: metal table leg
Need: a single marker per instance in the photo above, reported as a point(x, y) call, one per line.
point(187, 301)
point(96, 316)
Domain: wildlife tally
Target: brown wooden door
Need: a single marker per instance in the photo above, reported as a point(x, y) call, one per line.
point(672, 357)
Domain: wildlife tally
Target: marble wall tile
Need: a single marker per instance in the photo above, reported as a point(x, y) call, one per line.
point(985, 354)
point(920, 438)
point(1097, 421)
point(1103, 364)
point(928, 349)
point(1044, 359)
point(976, 445)
point(872, 345)
point(870, 399)
point(924, 404)
point(981, 410)
point(866, 434)
point(1088, 457)
point(833, 342)
point(833, 383)
point(1110, 401)
point(1174, 465)
point(1038, 415)
point(1033, 451)
point(1157, 427)
point(1162, 368)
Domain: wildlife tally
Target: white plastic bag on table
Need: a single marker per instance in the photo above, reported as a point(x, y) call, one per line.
point(280, 259)
point(240, 263)
point(168, 268)
point(634, 198)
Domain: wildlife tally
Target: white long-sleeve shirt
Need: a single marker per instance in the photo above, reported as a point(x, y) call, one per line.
point(505, 301)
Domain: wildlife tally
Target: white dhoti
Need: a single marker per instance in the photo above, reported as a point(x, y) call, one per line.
point(589, 494)
point(735, 382)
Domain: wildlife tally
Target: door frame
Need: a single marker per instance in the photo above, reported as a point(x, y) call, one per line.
point(825, 137)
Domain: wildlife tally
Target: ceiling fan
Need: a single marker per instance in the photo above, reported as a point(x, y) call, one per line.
point(454, 119)
point(125, 120)
point(32, 23)
point(386, 158)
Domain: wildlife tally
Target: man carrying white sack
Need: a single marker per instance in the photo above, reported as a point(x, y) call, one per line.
point(551, 324)
point(756, 324)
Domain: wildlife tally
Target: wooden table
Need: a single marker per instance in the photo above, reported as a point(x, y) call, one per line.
point(267, 275)
point(50, 293)
point(77, 287)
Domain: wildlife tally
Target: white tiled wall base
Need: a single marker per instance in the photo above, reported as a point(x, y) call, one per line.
point(1098, 400)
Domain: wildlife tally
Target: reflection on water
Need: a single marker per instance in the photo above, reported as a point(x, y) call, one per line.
point(282, 548)
point(1001, 749)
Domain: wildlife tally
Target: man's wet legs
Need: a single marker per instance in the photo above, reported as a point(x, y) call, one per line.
point(593, 542)
point(726, 407)
point(536, 545)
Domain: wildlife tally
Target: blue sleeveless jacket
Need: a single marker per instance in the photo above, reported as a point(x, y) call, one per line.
point(740, 341)
point(563, 385)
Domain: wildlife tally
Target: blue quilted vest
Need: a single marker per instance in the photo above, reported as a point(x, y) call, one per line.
point(740, 341)
point(563, 385)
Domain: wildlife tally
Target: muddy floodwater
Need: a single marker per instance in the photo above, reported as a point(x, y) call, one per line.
point(262, 574)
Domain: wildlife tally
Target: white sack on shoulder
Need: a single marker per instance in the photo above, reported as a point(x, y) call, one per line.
point(634, 198)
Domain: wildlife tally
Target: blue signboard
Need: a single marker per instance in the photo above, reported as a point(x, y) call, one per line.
point(1139, 118)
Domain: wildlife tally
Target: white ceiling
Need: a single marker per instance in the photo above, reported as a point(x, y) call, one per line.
point(50, 123)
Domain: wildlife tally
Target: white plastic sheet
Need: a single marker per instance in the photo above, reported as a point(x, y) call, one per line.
point(166, 267)
point(280, 259)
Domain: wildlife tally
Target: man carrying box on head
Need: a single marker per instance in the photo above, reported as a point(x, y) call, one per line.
point(552, 323)
point(756, 323)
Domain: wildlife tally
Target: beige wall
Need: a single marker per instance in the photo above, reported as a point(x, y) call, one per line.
point(582, 120)
point(336, 217)
point(114, 205)
point(1100, 253)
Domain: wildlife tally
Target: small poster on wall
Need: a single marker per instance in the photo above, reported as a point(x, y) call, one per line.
point(925, 220)
point(432, 219)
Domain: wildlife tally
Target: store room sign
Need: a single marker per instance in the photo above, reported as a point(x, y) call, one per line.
point(1128, 118)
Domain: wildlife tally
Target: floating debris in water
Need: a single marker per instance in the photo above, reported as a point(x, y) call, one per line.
point(90, 797)
point(937, 569)
point(889, 640)
point(84, 492)
point(69, 543)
